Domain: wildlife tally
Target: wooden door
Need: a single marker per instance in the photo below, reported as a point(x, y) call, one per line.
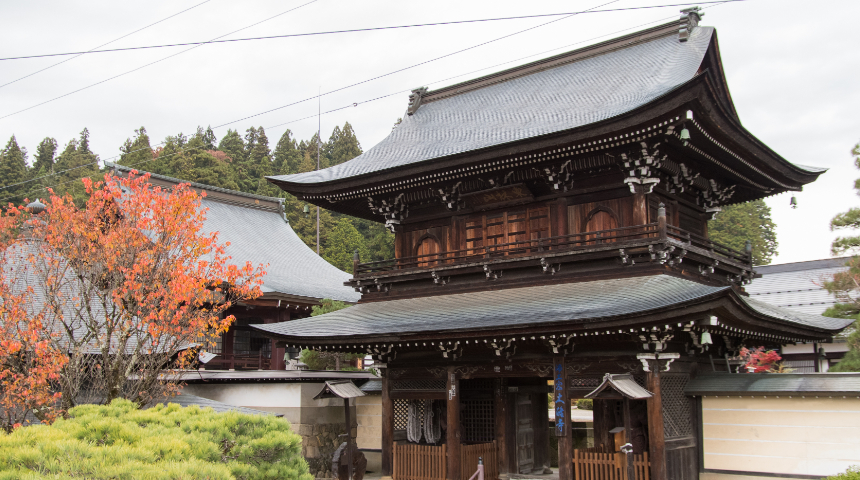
point(427, 252)
point(525, 434)
point(600, 220)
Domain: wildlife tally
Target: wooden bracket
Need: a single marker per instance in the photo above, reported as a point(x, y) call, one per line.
point(394, 211)
point(563, 345)
point(492, 274)
point(625, 259)
point(657, 338)
point(451, 197)
point(560, 178)
point(642, 172)
point(505, 346)
point(439, 280)
point(549, 268)
point(453, 352)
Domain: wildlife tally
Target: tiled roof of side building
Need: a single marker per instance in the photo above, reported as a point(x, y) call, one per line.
point(558, 94)
point(770, 383)
point(258, 233)
point(797, 286)
point(569, 303)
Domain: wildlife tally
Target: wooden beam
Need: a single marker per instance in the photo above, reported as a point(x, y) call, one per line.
point(453, 432)
point(387, 426)
point(561, 406)
point(419, 395)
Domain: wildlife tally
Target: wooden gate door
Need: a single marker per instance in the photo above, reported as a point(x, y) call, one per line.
point(525, 434)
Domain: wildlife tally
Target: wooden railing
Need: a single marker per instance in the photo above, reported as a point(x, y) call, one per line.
point(469, 460)
point(419, 462)
point(427, 462)
point(592, 464)
point(706, 244)
point(576, 241)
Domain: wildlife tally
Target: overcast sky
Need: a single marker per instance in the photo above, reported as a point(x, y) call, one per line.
point(792, 67)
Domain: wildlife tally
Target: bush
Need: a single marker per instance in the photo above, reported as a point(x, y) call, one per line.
point(118, 441)
point(585, 404)
point(853, 473)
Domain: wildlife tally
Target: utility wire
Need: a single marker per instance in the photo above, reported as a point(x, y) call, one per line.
point(153, 63)
point(94, 49)
point(355, 30)
point(352, 105)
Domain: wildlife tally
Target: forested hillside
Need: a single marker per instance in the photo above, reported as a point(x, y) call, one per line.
point(236, 161)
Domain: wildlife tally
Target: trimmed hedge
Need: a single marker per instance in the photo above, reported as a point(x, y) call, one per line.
point(853, 473)
point(119, 441)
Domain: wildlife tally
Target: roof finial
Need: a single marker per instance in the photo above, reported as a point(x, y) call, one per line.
point(415, 100)
point(690, 18)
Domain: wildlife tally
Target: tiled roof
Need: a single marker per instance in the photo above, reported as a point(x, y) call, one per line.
point(571, 95)
point(797, 286)
point(569, 303)
point(186, 400)
point(260, 235)
point(763, 383)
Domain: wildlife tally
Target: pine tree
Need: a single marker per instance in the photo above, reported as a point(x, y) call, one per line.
point(233, 145)
point(343, 241)
point(747, 221)
point(76, 161)
point(343, 145)
point(208, 138)
point(287, 157)
point(259, 163)
point(45, 157)
point(136, 153)
point(13, 169)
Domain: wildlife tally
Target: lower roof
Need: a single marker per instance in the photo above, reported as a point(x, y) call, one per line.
point(564, 305)
point(282, 376)
point(764, 383)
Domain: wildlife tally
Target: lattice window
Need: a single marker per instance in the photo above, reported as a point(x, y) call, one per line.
point(479, 421)
point(401, 413)
point(421, 384)
point(677, 408)
point(583, 383)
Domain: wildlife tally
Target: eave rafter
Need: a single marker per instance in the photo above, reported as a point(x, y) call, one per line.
point(641, 152)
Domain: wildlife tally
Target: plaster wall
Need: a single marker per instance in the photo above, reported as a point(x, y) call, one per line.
point(292, 400)
point(780, 435)
point(368, 415)
point(808, 348)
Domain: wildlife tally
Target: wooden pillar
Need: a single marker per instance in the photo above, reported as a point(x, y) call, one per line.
point(541, 430)
point(640, 207)
point(562, 217)
point(501, 389)
point(654, 364)
point(387, 426)
point(561, 406)
point(453, 433)
point(628, 438)
point(348, 423)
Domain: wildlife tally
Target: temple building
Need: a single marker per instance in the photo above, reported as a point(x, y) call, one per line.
point(296, 278)
point(551, 226)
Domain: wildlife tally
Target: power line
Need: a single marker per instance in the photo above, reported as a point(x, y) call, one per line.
point(152, 63)
point(78, 54)
point(351, 105)
point(413, 66)
point(356, 30)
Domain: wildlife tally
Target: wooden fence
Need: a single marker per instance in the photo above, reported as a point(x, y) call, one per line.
point(419, 462)
point(591, 464)
point(426, 462)
point(469, 460)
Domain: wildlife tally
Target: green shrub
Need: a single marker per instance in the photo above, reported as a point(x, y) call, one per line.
point(853, 473)
point(585, 404)
point(118, 441)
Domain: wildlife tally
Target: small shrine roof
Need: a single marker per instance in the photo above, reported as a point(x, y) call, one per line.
point(624, 384)
point(564, 305)
point(259, 233)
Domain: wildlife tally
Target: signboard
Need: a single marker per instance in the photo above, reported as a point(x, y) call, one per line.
point(560, 400)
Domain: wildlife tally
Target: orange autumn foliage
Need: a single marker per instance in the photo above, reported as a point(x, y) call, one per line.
point(129, 288)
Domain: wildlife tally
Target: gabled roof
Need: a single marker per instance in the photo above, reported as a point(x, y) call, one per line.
point(797, 286)
point(259, 233)
point(559, 94)
point(587, 304)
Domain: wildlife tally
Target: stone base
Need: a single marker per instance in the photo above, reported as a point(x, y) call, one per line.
point(319, 441)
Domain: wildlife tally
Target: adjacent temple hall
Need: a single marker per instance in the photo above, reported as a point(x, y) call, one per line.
point(551, 227)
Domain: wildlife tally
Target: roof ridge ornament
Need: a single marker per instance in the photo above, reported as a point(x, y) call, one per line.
point(415, 100)
point(690, 18)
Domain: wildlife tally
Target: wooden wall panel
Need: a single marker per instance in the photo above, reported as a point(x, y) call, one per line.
point(620, 209)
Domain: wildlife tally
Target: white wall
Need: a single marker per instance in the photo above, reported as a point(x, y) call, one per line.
point(781, 435)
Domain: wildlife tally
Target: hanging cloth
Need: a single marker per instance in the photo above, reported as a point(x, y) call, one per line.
point(432, 428)
point(413, 423)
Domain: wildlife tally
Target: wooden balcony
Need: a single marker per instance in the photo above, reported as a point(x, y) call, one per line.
point(229, 361)
point(653, 242)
